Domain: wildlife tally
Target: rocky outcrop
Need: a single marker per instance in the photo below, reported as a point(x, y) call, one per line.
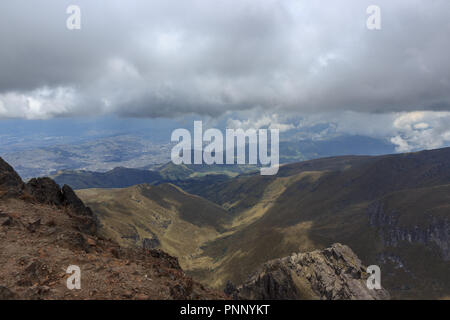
point(436, 231)
point(33, 263)
point(41, 190)
point(45, 190)
point(335, 273)
point(70, 199)
point(44, 229)
point(10, 182)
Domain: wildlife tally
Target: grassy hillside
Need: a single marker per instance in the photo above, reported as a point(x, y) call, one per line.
point(392, 210)
point(313, 209)
point(165, 215)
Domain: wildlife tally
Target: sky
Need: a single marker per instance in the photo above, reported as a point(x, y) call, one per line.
point(285, 63)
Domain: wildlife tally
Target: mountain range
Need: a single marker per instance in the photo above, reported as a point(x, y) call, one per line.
point(120, 177)
point(47, 232)
point(391, 210)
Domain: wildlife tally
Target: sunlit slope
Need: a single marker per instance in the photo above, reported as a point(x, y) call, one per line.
point(165, 215)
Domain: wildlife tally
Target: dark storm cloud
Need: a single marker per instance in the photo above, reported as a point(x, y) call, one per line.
point(169, 58)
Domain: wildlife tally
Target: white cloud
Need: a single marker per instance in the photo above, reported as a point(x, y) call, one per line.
point(266, 121)
point(43, 103)
point(421, 130)
point(408, 131)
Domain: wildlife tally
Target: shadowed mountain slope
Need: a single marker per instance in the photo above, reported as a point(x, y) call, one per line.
point(391, 210)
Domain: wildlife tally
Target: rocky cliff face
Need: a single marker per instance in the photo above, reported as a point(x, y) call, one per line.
point(44, 229)
point(335, 273)
point(10, 182)
point(436, 231)
point(40, 190)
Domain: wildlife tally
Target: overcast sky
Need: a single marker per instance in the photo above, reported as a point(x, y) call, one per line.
point(170, 58)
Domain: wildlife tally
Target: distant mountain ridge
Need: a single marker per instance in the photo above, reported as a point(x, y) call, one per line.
point(120, 177)
point(117, 178)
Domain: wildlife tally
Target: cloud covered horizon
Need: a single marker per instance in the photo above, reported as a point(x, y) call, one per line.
point(173, 58)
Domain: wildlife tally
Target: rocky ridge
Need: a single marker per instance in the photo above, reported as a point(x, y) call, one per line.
point(334, 273)
point(44, 229)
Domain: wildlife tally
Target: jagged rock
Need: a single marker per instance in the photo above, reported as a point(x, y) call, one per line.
point(335, 273)
point(10, 182)
point(45, 190)
point(33, 266)
point(72, 200)
point(87, 221)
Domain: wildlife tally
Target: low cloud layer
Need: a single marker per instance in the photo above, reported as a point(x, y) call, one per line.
point(407, 131)
point(170, 58)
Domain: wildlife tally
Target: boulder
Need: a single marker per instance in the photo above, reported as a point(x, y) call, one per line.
point(45, 190)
